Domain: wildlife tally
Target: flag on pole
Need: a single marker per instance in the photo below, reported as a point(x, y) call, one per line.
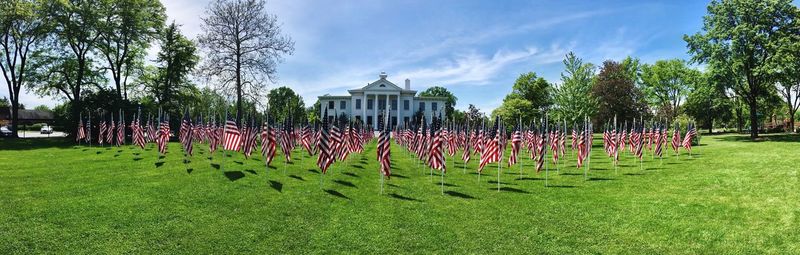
point(384, 149)
point(163, 135)
point(267, 142)
point(185, 133)
point(491, 153)
point(232, 138)
point(690, 134)
point(325, 158)
point(516, 143)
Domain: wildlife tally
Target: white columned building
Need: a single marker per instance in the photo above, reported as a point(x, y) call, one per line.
point(368, 103)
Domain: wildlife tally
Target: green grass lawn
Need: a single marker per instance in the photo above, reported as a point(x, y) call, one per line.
point(734, 196)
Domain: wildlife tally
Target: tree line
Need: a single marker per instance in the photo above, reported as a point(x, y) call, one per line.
point(746, 72)
point(91, 54)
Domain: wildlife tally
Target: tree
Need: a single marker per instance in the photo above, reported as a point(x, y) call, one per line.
point(284, 103)
point(313, 112)
point(743, 39)
point(473, 113)
point(23, 27)
point(68, 67)
point(450, 102)
point(243, 44)
point(573, 99)
point(169, 82)
point(4, 102)
point(666, 83)
point(616, 95)
point(707, 103)
point(536, 90)
point(126, 34)
point(515, 109)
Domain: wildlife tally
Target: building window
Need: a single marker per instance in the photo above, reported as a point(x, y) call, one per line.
point(369, 104)
point(369, 120)
point(358, 104)
point(394, 122)
point(405, 120)
point(381, 104)
point(422, 106)
point(406, 104)
point(342, 105)
point(394, 104)
point(434, 106)
point(330, 105)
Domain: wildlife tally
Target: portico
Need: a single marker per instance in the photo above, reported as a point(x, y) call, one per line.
point(367, 104)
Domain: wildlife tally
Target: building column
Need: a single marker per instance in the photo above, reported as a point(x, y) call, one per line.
point(375, 112)
point(364, 108)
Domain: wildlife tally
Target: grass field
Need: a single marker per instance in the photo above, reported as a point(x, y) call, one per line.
point(734, 196)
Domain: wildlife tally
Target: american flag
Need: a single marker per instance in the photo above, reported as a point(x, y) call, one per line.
point(676, 139)
point(81, 133)
point(163, 136)
point(384, 149)
point(232, 138)
point(89, 129)
point(199, 131)
point(152, 132)
point(554, 145)
point(185, 134)
point(687, 140)
point(267, 142)
point(101, 133)
point(335, 139)
point(249, 139)
point(110, 132)
point(121, 131)
point(213, 135)
point(436, 158)
point(581, 147)
point(137, 134)
point(325, 158)
point(465, 155)
point(286, 140)
point(639, 142)
point(491, 153)
point(658, 139)
point(516, 143)
point(306, 139)
point(541, 149)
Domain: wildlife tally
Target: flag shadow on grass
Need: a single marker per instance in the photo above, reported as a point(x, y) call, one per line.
point(562, 186)
point(159, 164)
point(234, 175)
point(336, 193)
point(251, 171)
point(459, 194)
point(527, 179)
point(297, 177)
point(601, 179)
point(400, 176)
point(351, 174)
point(401, 197)
point(345, 183)
point(511, 190)
point(276, 185)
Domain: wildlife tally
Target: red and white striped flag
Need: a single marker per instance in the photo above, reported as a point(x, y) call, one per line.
point(232, 138)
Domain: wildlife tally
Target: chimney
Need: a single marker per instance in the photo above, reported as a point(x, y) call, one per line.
point(408, 84)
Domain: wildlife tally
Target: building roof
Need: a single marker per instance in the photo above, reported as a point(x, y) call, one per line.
point(5, 113)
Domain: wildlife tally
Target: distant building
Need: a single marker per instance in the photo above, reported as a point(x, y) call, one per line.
point(368, 103)
point(26, 117)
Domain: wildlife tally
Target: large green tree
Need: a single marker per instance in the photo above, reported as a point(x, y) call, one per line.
point(666, 83)
point(707, 103)
point(243, 45)
point(168, 82)
point(437, 91)
point(573, 99)
point(23, 28)
point(68, 68)
point(536, 90)
point(744, 38)
point(616, 94)
point(127, 30)
point(285, 103)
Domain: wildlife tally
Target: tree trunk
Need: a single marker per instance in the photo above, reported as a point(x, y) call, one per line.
point(15, 118)
point(753, 118)
point(711, 127)
point(238, 89)
point(791, 122)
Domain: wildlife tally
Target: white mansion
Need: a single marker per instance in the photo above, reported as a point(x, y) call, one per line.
point(369, 102)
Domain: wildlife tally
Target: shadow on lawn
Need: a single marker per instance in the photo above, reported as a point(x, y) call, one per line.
point(459, 194)
point(336, 193)
point(351, 174)
point(511, 190)
point(234, 175)
point(276, 185)
point(345, 183)
point(763, 138)
point(297, 177)
point(401, 197)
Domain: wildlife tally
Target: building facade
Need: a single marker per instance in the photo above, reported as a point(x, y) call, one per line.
point(369, 103)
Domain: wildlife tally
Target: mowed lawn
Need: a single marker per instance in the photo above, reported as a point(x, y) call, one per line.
point(733, 196)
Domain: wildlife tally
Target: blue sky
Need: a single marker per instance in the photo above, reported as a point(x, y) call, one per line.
point(476, 49)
